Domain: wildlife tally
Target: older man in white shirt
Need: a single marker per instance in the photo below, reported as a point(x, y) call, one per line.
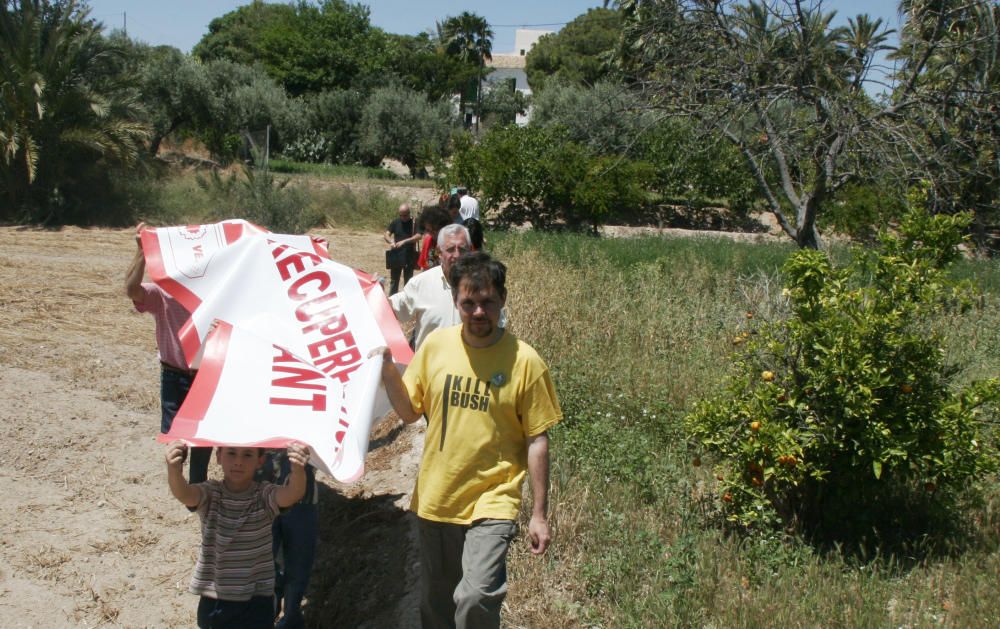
point(426, 299)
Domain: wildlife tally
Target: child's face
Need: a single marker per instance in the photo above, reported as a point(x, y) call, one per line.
point(239, 464)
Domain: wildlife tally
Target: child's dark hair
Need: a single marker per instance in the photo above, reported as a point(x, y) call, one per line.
point(475, 233)
point(480, 270)
point(433, 218)
point(260, 451)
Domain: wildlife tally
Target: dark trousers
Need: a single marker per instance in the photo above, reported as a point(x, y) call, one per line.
point(253, 614)
point(394, 273)
point(294, 534)
point(174, 387)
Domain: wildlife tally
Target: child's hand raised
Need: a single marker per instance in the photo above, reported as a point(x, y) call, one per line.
point(176, 453)
point(298, 454)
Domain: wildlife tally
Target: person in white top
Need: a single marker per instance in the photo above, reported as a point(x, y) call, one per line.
point(469, 207)
point(426, 299)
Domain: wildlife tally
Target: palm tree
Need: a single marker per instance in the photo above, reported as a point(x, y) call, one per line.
point(64, 108)
point(469, 37)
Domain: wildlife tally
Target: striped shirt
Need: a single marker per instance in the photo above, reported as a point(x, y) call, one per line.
point(235, 562)
point(170, 316)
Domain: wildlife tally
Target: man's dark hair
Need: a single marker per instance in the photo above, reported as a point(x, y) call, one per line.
point(480, 271)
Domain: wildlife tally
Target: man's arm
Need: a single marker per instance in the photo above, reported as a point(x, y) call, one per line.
point(396, 389)
point(292, 491)
point(186, 493)
point(133, 279)
point(538, 469)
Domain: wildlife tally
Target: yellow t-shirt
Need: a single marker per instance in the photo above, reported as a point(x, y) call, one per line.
point(481, 406)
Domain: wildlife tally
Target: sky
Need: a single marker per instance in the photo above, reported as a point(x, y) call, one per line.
point(182, 23)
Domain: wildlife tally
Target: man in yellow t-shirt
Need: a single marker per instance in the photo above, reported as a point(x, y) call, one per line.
point(489, 401)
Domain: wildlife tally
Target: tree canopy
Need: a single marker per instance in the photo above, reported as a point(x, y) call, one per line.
point(787, 88)
point(305, 47)
point(578, 54)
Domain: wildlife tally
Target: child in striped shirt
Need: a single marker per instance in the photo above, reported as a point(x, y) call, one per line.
point(234, 574)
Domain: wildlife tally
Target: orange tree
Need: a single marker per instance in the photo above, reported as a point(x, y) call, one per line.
point(845, 418)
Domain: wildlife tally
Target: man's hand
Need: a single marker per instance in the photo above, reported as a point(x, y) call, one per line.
point(176, 454)
point(538, 533)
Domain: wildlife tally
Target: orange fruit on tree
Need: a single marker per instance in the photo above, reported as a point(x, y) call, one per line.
point(767, 376)
point(755, 426)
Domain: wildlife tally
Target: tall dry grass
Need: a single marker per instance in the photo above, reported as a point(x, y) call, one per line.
point(635, 333)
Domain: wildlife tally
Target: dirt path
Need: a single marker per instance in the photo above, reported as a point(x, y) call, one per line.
point(92, 536)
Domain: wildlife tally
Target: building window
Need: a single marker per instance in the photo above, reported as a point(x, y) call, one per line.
point(522, 52)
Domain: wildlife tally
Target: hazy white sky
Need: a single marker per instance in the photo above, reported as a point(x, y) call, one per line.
point(182, 23)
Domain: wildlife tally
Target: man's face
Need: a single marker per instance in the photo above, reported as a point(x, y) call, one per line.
point(452, 247)
point(404, 212)
point(479, 310)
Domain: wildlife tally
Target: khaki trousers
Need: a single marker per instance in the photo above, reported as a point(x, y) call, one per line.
point(463, 573)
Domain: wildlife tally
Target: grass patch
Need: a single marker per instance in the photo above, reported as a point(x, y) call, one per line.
point(635, 332)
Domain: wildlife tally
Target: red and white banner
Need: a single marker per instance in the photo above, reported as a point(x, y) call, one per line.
point(287, 359)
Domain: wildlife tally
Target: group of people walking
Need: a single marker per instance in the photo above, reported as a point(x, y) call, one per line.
point(413, 243)
point(488, 401)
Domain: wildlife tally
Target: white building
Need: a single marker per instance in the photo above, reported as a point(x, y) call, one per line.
point(509, 67)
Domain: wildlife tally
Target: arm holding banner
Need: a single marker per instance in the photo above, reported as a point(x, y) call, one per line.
point(133, 279)
point(396, 389)
point(186, 493)
point(291, 492)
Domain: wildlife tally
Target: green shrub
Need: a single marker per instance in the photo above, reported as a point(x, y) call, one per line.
point(260, 199)
point(844, 418)
point(537, 174)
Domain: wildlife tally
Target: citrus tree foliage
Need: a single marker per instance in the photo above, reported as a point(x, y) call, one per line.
point(951, 51)
point(689, 164)
point(844, 416)
point(538, 174)
point(69, 121)
point(304, 46)
point(403, 124)
point(578, 54)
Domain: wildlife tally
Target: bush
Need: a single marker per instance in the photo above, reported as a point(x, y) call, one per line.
point(844, 418)
point(537, 174)
point(401, 123)
point(260, 199)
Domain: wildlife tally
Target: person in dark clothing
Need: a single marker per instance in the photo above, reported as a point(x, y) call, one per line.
point(401, 256)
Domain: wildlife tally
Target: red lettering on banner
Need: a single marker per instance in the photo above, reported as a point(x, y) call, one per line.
point(309, 310)
point(297, 262)
point(317, 403)
point(329, 327)
point(198, 252)
point(333, 347)
point(299, 378)
point(295, 291)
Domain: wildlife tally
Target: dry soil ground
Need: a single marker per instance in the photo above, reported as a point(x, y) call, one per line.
point(91, 536)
